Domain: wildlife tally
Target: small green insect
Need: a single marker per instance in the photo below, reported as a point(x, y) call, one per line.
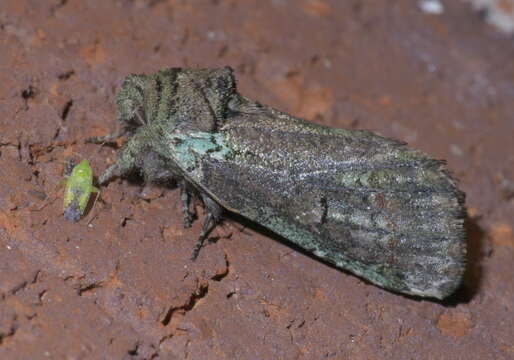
point(78, 189)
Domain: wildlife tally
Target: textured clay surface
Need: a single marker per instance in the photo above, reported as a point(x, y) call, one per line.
point(119, 284)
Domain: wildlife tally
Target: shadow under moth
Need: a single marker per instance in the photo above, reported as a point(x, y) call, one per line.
point(365, 203)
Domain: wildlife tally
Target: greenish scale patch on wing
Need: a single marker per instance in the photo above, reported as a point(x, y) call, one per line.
point(189, 148)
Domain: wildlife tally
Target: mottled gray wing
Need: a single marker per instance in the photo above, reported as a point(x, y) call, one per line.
point(362, 202)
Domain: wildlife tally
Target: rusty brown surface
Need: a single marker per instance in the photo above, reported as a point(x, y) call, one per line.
point(124, 287)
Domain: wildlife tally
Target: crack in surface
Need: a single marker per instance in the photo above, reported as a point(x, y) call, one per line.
point(24, 284)
point(59, 5)
point(200, 293)
point(8, 334)
point(66, 110)
point(91, 287)
point(66, 75)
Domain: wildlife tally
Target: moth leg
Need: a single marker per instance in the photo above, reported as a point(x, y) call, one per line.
point(125, 162)
point(106, 138)
point(214, 212)
point(111, 172)
point(185, 196)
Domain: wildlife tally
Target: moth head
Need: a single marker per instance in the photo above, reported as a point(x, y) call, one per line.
point(195, 98)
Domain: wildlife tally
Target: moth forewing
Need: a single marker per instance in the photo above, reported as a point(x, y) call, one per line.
point(392, 216)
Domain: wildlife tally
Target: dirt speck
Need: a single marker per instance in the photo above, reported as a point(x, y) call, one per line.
point(502, 235)
point(93, 54)
point(316, 7)
point(454, 323)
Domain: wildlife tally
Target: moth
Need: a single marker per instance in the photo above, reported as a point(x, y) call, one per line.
point(364, 203)
point(77, 191)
